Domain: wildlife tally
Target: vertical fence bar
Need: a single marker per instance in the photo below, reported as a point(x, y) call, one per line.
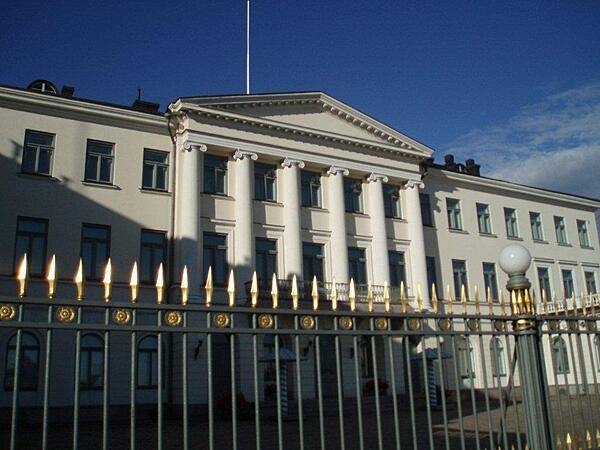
point(106, 381)
point(357, 377)
point(209, 370)
point(458, 385)
point(408, 368)
point(299, 384)
point(471, 376)
point(233, 386)
point(77, 382)
point(47, 370)
point(184, 380)
point(394, 388)
point(485, 389)
point(426, 382)
point(319, 386)
point(340, 387)
point(14, 428)
point(376, 383)
point(278, 369)
point(133, 382)
point(256, 393)
point(159, 387)
point(498, 376)
point(443, 390)
point(513, 368)
point(584, 378)
point(594, 369)
point(575, 375)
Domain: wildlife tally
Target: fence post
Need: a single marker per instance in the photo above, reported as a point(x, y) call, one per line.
point(515, 260)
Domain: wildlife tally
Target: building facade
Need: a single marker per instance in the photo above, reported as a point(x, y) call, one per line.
point(292, 184)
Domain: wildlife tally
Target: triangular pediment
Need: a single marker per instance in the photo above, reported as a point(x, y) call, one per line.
point(313, 112)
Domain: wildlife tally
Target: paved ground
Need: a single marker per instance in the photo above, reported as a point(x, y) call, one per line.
point(575, 414)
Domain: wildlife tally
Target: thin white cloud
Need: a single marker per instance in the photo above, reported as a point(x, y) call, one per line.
point(553, 144)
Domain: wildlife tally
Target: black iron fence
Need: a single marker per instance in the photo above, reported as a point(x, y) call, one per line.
point(290, 372)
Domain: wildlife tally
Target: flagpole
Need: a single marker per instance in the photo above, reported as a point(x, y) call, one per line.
point(248, 47)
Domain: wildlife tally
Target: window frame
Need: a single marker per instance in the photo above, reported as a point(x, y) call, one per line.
point(483, 214)
point(219, 166)
point(357, 259)
point(392, 201)
point(316, 260)
point(38, 148)
point(587, 282)
point(219, 248)
point(466, 358)
point(101, 157)
point(30, 254)
point(94, 242)
point(164, 246)
point(547, 279)
point(155, 165)
point(454, 214)
point(511, 222)
point(493, 284)
point(431, 268)
point(353, 196)
point(536, 225)
point(309, 181)
point(85, 383)
point(560, 355)
point(560, 228)
point(150, 384)
point(270, 258)
point(463, 276)
point(9, 367)
point(568, 283)
point(585, 242)
point(397, 267)
point(498, 358)
point(426, 212)
point(265, 175)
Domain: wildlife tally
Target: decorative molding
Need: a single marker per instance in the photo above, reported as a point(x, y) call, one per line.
point(241, 154)
point(334, 170)
point(193, 146)
point(289, 162)
point(414, 183)
point(377, 177)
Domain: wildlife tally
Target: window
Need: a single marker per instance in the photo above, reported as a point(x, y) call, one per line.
point(147, 363)
point(391, 201)
point(366, 357)
point(353, 195)
point(215, 174)
point(510, 219)
point(215, 256)
point(99, 162)
point(560, 357)
point(590, 282)
point(95, 249)
point(311, 188)
point(426, 215)
point(266, 258)
point(156, 170)
point(312, 261)
point(265, 177)
point(30, 360)
point(465, 358)
point(568, 286)
point(459, 270)
point(153, 251)
point(453, 210)
point(544, 280)
point(38, 151)
point(498, 358)
point(535, 219)
point(582, 231)
point(561, 232)
point(397, 268)
point(489, 280)
point(357, 268)
point(483, 218)
point(31, 238)
point(91, 369)
point(431, 274)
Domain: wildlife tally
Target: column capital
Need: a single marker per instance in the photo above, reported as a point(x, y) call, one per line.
point(377, 177)
point(414, 184)
point(289, 162)
point(189, 146)
point(241, 154)
point(334, 170)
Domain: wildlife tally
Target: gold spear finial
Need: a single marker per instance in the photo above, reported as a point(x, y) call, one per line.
point(386, 297)
point(545, 301)
point(51, 277)
point(333, 295)
point(597, 437)
point(583, 306)
point(231, 289)
point(79, 281)
point(369, 297)
point(558, 442)
point(419, 298)
point(352, 295)
point(588, 438)
point(107, 280)
point(476, 298)
point(274, 292)
point(463, 297)
point(208, 287)
point(185, 287)
point(403, 302)
point(449, 298)
point(134, 283)
point(490, 300)
point(22, 276)
point(315, 293)
point(254, 290)
point(569, 441)
point(434, 299)
point(294, 293)
point(160, 284)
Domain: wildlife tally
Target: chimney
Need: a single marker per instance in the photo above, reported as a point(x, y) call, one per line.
point(472, 168)
point(144, 106)
point(67, 91)
point(449, 162)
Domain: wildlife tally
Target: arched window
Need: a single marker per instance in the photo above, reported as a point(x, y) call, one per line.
point(147, 362)
point(30, 362)
point(498, 357)
point(560, 357)
point(91, 369)
point(465, 357)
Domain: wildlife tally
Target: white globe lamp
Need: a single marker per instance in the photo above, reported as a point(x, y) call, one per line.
point(515, 260)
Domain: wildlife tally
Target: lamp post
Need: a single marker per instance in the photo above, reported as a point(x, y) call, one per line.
point(515, 260)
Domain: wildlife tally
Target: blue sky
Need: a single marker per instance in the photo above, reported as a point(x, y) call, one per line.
point(515, 84)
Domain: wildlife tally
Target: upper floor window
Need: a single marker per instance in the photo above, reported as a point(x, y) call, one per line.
point(30, 362)
point(483, 218)
point(215, 174)
point(431, 274)
point(489, 280)
point(582, 231)
point(153, 251)
point(397, 268)
point(265, 182)
point(156, 170)
point(311, 188)
point(459, 272)
point(215, 256)
point(99, 158)
point(391, 201)
point(453, 210)
point(544, 280)
point(353, 195)
point(31, 238)
point(426, 215)
point(510, 218)
point(568, 284)
point(312, 261)
point(535, 219)
point(38, 152)
point(561, 231)
point(357, 267)
point(590, 282)
point(91, 369)
point(266, 258)
point(95, 249)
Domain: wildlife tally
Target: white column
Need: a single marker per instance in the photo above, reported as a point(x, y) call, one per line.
point(189, 233)
point(292, 238)
point(243, 235)
point(417, 239)
point(337, 221)
point(380, 264)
